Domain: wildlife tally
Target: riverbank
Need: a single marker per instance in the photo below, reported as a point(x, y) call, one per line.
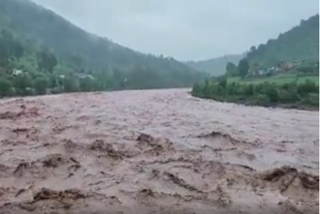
point(241, 101)
point(304, 96)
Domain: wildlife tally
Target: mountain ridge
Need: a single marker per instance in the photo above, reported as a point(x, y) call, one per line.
point(291, 45)
point(300, 42)
point(100, 51)
point(217, 65)
point(42, 52)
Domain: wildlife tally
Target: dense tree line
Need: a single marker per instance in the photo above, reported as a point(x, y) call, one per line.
point(243, 68)
point(294, 94)
point(298, 95)
point(30, 69)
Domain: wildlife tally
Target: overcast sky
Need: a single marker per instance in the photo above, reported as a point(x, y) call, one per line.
point(186, 29)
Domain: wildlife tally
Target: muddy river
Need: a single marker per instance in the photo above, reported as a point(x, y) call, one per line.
point(155, 151)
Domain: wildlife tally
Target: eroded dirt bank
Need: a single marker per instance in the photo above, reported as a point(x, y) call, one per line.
point(159, 151)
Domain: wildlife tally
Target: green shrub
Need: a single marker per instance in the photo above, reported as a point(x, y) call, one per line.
point(5, 87)
point(261, 100)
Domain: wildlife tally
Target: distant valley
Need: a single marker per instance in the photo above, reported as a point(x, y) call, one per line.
point(216, 66)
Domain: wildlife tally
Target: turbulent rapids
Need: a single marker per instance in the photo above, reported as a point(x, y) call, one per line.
point(155, 151)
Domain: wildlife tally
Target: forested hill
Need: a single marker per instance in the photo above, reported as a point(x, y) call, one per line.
point(36, 25)
point(299, 43)
point(215, 66)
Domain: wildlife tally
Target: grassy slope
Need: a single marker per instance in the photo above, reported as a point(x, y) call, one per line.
point(277, 79)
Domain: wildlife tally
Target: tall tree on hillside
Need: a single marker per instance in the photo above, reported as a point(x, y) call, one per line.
point(76, 60)
point(4, 54)
point(41, 83)
point(10, 45)
point(243, 67)
point(6, 40)
point(252, 49)
point(21, 83)
point(17, 49)
point(46, 59)
point(231, 69)
point(5, 87)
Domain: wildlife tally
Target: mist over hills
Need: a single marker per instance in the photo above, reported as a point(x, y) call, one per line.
point(299, 43)
point(39, 26)
point(216, 66)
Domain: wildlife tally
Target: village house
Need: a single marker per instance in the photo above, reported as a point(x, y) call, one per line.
point(286, 66)
point(83, 76)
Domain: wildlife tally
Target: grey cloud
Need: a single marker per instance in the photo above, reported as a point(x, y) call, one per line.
point(186, 29)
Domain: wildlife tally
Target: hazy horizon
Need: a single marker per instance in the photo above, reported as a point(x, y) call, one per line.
point(187, 30)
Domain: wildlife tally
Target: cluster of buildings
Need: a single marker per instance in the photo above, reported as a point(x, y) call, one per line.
point(281, 68)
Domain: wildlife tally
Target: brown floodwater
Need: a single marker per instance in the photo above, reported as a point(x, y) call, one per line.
point(155, 151)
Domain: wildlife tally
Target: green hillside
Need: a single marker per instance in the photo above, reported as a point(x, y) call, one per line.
point(297, 44)
point(289, 77)
point(215, 66)
point(42, 43)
